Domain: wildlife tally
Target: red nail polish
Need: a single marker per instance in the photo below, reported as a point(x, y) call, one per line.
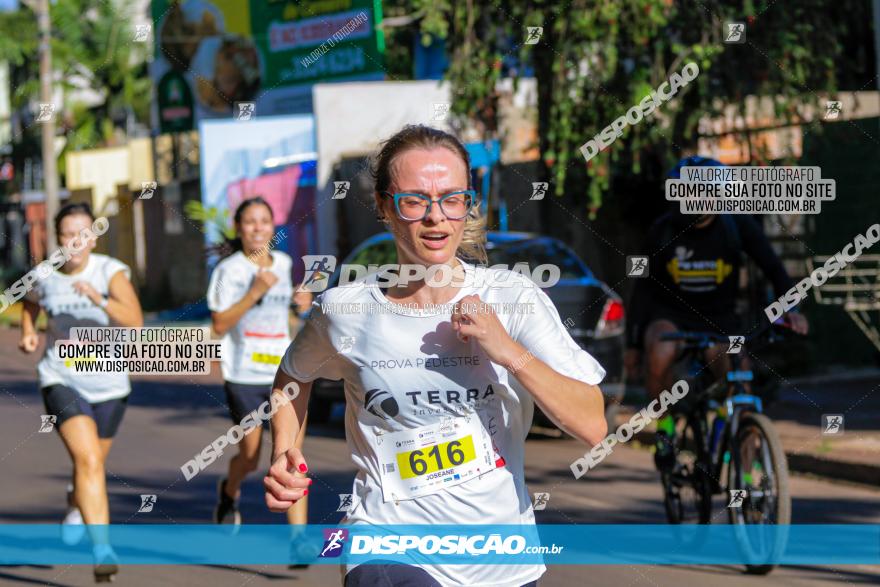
point(310, 481)
point(303, 468)
point(305, 492)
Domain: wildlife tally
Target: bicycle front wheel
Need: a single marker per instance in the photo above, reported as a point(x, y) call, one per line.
point(759, 468)
point(688, 489)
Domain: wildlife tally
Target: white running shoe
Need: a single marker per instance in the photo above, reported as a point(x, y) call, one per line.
point(73, 530)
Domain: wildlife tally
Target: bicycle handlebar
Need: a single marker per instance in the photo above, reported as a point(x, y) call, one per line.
point(694, 337)
point(706, 339)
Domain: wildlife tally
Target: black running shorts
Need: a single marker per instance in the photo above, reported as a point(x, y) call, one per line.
point(244, 398)
point(65, 403)
point(379, 574)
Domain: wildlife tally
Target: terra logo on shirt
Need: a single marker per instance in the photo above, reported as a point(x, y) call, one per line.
point(471, 396)
point(381, 403)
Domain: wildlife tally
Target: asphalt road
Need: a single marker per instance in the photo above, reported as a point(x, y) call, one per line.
point(168, 422)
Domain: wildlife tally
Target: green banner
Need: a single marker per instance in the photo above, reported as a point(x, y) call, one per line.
point(267, 52)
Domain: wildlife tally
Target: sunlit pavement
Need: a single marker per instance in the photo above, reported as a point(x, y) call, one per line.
point(169, 421)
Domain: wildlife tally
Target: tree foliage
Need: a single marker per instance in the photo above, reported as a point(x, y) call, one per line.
point(598, 58)
point(93, 49)
point(211, 216)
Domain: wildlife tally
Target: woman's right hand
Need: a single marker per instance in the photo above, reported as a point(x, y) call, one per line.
point(263, 282)
point(283, 487)
point(29, 342)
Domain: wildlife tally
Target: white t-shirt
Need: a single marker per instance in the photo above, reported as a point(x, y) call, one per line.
point(67, 309)
point(253, 347)
point(425, 371)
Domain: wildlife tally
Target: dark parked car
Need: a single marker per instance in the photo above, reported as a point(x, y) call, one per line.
point(592, 311)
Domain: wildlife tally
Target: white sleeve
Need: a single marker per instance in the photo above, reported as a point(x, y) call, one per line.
point(311, 354)
point(542, 332)
point(220, 298)
point(287, 262)
point(114, 266)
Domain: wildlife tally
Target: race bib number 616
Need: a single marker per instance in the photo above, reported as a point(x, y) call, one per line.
point(435, 458)
point(428, 459)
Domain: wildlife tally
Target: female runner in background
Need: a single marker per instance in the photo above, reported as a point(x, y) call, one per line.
point(249, 296)
point(89, 290)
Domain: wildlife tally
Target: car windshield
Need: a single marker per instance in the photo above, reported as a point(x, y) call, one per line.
point(536, 252)
point(533, 252)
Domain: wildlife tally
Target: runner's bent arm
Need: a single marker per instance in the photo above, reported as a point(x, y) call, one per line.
point(309, 356)
point(225, 320)
point(123, 306)
point(29, 314)
point(286, 482)
point(576, 407)
point(29, 340)
point(287, 421)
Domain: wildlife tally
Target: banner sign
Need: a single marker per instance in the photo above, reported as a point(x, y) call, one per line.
point(211, 55)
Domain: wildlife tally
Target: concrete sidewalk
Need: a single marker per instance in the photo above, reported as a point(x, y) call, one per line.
point(853, 454)
point(850, 455)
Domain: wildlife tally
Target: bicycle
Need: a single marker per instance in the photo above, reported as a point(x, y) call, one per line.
point(740, 437)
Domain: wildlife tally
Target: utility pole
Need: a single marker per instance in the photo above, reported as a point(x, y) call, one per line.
point(50, 170)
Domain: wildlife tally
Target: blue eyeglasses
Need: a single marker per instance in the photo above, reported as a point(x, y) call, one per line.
point(455, 205)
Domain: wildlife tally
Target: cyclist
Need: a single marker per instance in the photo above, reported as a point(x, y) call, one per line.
point(249, 296)
point(489, 369)
point(692, 285)
point(88, 290)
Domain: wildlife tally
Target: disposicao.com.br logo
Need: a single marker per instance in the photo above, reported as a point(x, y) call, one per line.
point(482, 545)
point(476, 545)
point(319, 269)
point(334, 543)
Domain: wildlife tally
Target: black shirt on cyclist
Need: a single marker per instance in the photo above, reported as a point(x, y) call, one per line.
point(694, 272)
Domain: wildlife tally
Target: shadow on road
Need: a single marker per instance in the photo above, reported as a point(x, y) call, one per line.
point(5, 576)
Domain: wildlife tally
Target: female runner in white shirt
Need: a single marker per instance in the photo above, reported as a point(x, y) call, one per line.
point(249, 296)
point(89, 290)
point(408, 367)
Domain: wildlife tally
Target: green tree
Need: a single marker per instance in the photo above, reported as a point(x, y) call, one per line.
point(596, 59)
point(211, 216)
point(93, 48)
